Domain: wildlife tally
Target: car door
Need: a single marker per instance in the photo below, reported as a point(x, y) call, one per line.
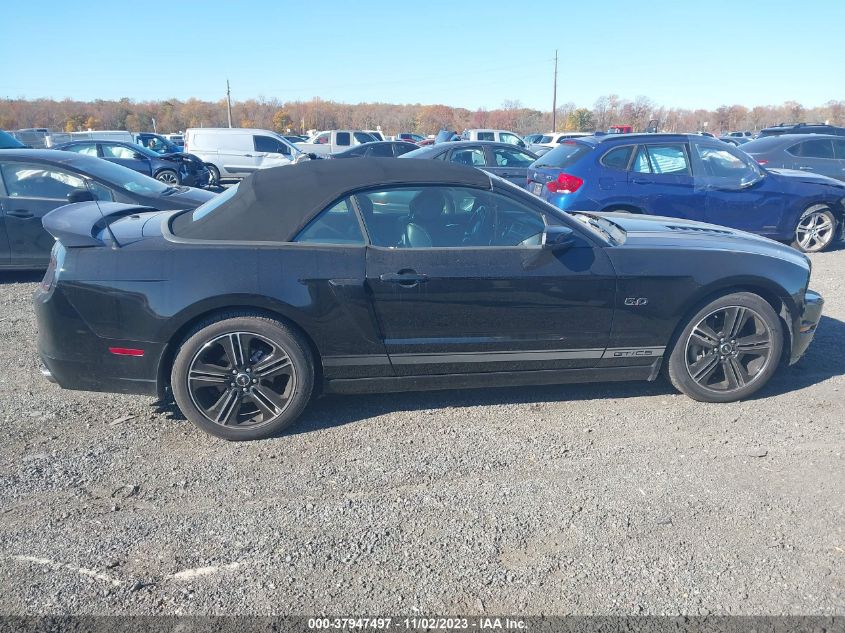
point(510, 163)
point(269, 151)
point(660, 181)
point(733, 190)
point(30, 191)
point(236, 152)
point(126, 156)
point(481, 294)
point(817, 156)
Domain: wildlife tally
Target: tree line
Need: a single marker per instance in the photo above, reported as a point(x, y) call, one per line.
point(172, 115)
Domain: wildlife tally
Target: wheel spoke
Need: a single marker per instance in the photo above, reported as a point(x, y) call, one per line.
point(735, 373)
point(734, 320)
point(226, 408)
point(203, 374)
point(270, 403)
point(236, 352)
point(273, 365)
point(753, 343)
point(701, 369)
point(704, 335)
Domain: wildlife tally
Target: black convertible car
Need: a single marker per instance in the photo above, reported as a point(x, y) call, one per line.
point(387, 275)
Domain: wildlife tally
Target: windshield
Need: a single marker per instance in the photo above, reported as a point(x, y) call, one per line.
point(7, 141)
point(422, 152)
point(125, 178)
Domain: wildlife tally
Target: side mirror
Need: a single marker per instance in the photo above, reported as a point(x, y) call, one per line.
point(558, 238)
point(80, 195)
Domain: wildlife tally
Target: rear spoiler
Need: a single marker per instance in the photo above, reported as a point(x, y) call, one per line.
point(84, 224)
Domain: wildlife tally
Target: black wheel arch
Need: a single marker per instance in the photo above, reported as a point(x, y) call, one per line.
point(195, 315)
point(780, 300)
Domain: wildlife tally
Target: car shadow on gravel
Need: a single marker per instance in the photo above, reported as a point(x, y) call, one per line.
point(20, 276)
point(333, 411)
point(824, 359)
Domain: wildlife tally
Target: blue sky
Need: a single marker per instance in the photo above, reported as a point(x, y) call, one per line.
point(462, 53)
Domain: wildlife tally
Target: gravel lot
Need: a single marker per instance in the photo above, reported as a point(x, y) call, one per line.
point(616, 498)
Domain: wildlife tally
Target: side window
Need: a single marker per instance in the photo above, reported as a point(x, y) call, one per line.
point(361, 137)
point(342, 138)
point(725, 166)
point(31, 180)
point(381, 150)
point(448, 217)
point(641, 164)
point(473, 156)
point(821, 148)
point(506, 157)
point(118, 151)
point(513, 139)
point(89, 149)
point(323, 139)
point(269, 145)
point(839, 149)
point(335, 225)
point(668, 159)
point(486, 136)
point(618, 157)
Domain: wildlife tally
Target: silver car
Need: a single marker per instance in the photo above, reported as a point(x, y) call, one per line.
point(818, 153)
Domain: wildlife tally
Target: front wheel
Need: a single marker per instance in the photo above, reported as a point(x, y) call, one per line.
point(243, 377)
point(168, 177)
point(213, 175)
point(728, 350)
point(816, 229)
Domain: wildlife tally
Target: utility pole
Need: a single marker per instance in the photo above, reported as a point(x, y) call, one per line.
point(554, 99)
point(228, 103)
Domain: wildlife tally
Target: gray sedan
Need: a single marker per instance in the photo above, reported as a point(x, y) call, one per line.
point(818, 153)
point(502, 159)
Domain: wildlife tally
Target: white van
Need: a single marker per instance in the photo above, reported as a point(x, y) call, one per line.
point(237, 152)
point(500, 136)
point(57, 138)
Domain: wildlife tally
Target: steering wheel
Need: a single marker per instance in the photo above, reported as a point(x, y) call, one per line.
point(476, 222)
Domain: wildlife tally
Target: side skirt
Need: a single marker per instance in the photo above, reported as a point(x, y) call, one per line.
point(490, 379)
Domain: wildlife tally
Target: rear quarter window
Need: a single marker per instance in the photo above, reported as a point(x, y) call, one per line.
point(618, 157)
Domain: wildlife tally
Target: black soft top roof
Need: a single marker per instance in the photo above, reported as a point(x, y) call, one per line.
point(275, 204)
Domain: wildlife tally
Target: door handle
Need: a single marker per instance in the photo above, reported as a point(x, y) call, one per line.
point(639, 181)
point(21, 213)
point(806, 168)
point(248, 156)
point(408, 278)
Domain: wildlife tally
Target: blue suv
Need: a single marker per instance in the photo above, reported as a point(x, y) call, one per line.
point(693, 177)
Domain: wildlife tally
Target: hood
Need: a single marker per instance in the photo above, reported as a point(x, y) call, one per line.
point(806, 176)
point(652, 231)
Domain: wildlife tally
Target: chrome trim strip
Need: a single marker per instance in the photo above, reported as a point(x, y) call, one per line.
point(633, 352)
point(367, 359)
point(493, 357)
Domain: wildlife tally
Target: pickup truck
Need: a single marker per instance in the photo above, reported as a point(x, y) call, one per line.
point(331, 141)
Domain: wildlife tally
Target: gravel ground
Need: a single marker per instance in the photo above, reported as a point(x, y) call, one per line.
point(613, 499)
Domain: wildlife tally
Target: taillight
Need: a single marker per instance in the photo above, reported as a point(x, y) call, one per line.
point(762, 161)
point(565, 183)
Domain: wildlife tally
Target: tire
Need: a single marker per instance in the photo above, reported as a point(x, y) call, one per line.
point(258, 395)
point(816, 229)
point(213, 175)
point(168, 177)
point(727, 369)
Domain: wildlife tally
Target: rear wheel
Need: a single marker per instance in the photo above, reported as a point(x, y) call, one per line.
point(243, 377)
point(816, 229)
point(728, 350)
point(168, 177)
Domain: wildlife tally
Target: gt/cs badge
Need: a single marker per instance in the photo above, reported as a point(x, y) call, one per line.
point(636, 301)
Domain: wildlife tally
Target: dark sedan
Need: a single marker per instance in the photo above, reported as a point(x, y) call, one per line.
point(34, 182)
point(503, 159)
point(378, 149)
point(399, 275)
point(817, 153)
point(171, 169)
